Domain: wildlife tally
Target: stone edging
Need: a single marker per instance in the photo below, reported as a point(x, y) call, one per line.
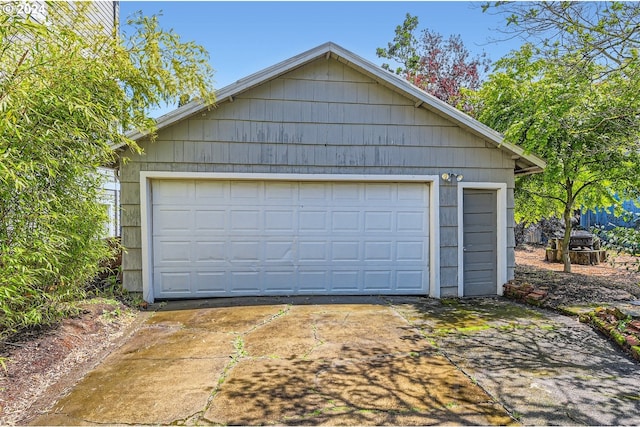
point(621, 328)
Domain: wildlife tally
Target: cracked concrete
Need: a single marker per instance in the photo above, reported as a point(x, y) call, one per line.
point(348, 361)
point(546, 368)
point(356, 361)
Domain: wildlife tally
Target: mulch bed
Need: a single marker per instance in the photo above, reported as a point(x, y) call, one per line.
point(41, 364)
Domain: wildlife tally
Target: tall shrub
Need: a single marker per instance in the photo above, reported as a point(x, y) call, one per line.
point(68, 89)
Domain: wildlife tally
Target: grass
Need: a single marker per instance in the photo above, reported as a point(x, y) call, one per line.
point(238, 345)
point(461, 330)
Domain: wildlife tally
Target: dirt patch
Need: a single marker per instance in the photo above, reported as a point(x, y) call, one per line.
point(609, 282)
point(42, 365)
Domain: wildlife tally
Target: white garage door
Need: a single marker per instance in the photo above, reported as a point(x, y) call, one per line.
point(233, 238)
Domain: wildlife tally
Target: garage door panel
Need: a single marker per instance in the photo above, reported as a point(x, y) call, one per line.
point(345, 251)
point(209, 220)
point(173, 219)
point(245, 282)
point(243, 191)
point(210, 251)
point(279, 252)
point(378, 251)
point(210, 282)
point(174, 281)
point(379, 192)
point(245, 220)
point(279, 221)
point(412, 194)
point(313, 193)
point(411, 221)
point(411, 251)
point(313, 251)
point(226, 238)
point(345, 221)
point(312, 281)
point(247, 251)
point(378, 280)
point(283, 192)
point(378, 221)
point(175, 192)
point(279, 281)
point(346, 192)
point(210, 192)
point(409, 280)
point(345, 280)
point(172, 252)
point(312, 221)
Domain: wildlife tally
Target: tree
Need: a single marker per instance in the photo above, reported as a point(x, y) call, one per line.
point(438, 66)
point(67, 92)
point(604, 32)
point(583, 123)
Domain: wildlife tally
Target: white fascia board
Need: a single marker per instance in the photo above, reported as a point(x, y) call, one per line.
point(249, 176)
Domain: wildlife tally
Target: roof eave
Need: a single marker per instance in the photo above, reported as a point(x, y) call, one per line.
point(422, 98)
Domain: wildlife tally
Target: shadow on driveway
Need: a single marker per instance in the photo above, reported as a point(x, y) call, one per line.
point(355, 361)
point(546, 368)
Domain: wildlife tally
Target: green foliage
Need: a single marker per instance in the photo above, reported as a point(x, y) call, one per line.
point(585, 129)
point(440, 67)
point(607, 33)
point(108, 285)
point(573, 100)
point(621, 241)
point(67, 90)
point(582, 122)
point(404, 48)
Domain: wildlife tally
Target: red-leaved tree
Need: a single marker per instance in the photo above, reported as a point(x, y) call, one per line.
point(438, 66)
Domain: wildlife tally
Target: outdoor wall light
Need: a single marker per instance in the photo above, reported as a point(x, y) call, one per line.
point(449, 176)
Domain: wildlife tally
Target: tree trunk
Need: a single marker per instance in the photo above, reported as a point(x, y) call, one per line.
point(566, 260)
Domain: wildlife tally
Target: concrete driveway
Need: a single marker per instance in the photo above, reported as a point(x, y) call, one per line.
point(355, 361)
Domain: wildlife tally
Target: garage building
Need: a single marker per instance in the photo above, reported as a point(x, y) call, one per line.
point(321, 175)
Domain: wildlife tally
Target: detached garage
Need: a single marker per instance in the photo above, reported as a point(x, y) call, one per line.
point(321, 175)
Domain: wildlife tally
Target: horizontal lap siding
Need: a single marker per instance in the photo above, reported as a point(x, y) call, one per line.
point(105, 14)
point(322, 118)
point(100, 16)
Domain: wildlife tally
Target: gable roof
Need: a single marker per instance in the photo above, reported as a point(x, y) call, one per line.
point(525, 163)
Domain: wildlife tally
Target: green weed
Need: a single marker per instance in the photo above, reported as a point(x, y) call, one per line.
point(238, 345)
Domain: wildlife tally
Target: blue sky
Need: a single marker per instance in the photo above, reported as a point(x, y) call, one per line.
point(245, 37)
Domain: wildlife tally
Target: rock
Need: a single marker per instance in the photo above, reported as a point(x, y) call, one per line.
point(537, 295)
point(632, 340)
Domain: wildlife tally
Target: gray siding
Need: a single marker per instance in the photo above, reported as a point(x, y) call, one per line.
point(324, 117)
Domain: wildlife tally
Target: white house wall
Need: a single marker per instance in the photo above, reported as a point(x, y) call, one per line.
point(323, 118)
